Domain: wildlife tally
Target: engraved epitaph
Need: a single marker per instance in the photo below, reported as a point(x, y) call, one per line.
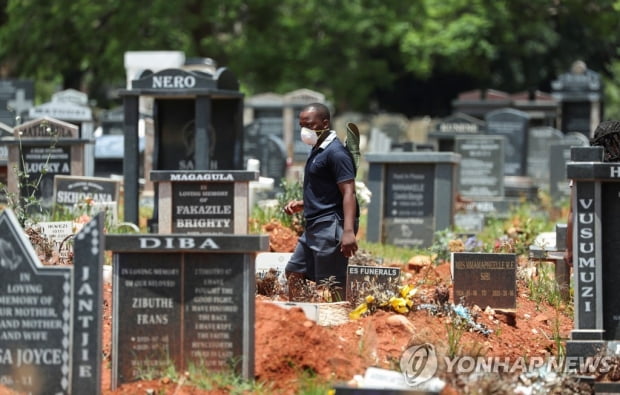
point(183, 299)
point(481, 172)
point(485, 279)
point(88, 302)
point(35, 312)
point(512, 124)
point(408, 214)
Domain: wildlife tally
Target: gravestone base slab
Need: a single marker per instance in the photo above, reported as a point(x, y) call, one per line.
point(583, 348)
point(584, 334)
point(324, 314)
point(606, 388)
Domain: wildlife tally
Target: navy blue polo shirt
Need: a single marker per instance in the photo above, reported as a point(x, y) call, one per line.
point(326, 167)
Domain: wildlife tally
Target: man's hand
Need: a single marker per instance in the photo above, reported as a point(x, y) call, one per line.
point(348, 245)
point(294, 206)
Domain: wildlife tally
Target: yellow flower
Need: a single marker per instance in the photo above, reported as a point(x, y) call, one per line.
point(358, 312)
point(399, 305)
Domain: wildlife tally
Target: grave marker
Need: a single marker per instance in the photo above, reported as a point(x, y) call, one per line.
point(44, 148)
point(183, 299)
point(540, 140)
point(16, 98)
point(44, 308)
point(70, 190)
point(197, 125)
point(413, 196)
point(481, 170)
point(579, 93)
point(458, 124)
point(370, 280)
point(559, 156)
point(512, 124)
point(203, 201)
point(485, 279)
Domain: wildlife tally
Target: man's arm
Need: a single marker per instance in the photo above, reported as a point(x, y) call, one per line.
point(348, 245)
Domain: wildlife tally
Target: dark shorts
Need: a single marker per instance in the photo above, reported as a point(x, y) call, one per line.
point(317, 254)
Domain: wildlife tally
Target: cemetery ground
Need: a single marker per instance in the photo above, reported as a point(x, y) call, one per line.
point(294, 354)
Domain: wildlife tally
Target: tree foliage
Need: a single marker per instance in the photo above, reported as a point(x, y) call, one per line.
point(347, 50)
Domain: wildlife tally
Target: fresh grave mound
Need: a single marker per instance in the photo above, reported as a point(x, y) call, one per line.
point(288, 345)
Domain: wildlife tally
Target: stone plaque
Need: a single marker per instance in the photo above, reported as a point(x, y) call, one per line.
point(203, 207)
point(214, 311)
point(70, 190)
point(147, 311)
point(35, 337)
point(538, 156)
point(87, 296)
point(370, 280)
point(610, 203)
point(181, 300)
point(409, 209)
point(512, 124)
point(485, 279)
point(481, 171)
point(41, 164)
point(44, 308)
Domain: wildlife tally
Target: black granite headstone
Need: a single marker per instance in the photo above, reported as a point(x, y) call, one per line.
point(409, 213)
point(43, 309)
point(512, 124)
point(70, 190)
point(538, 156)
point(183, 300)
point(88, 250)
point(485, 279)
point(481, 171)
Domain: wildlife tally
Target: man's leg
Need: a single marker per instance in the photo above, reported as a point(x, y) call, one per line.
point(296, 271)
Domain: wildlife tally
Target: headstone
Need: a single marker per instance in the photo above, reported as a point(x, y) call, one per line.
point(363, 281)
point(71, 106)
point(481, 170)
point(197, 125)
point(71, 190)
point(44, 148)
point(379, 142)
point(540, 141)
point(394, 126)
point(595, 248)
point(51, 315)
point(181, 300)
point(203, 201)
point(485, 279)
point(559, 155)
point(458, 124)
point(273, 158)
point(413, 196)
point(513, 125)
point(16, 98)
point(579, 92)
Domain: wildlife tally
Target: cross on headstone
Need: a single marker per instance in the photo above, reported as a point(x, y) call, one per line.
point(20, 103)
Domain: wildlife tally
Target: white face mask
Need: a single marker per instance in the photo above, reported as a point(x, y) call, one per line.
point(310, 136)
